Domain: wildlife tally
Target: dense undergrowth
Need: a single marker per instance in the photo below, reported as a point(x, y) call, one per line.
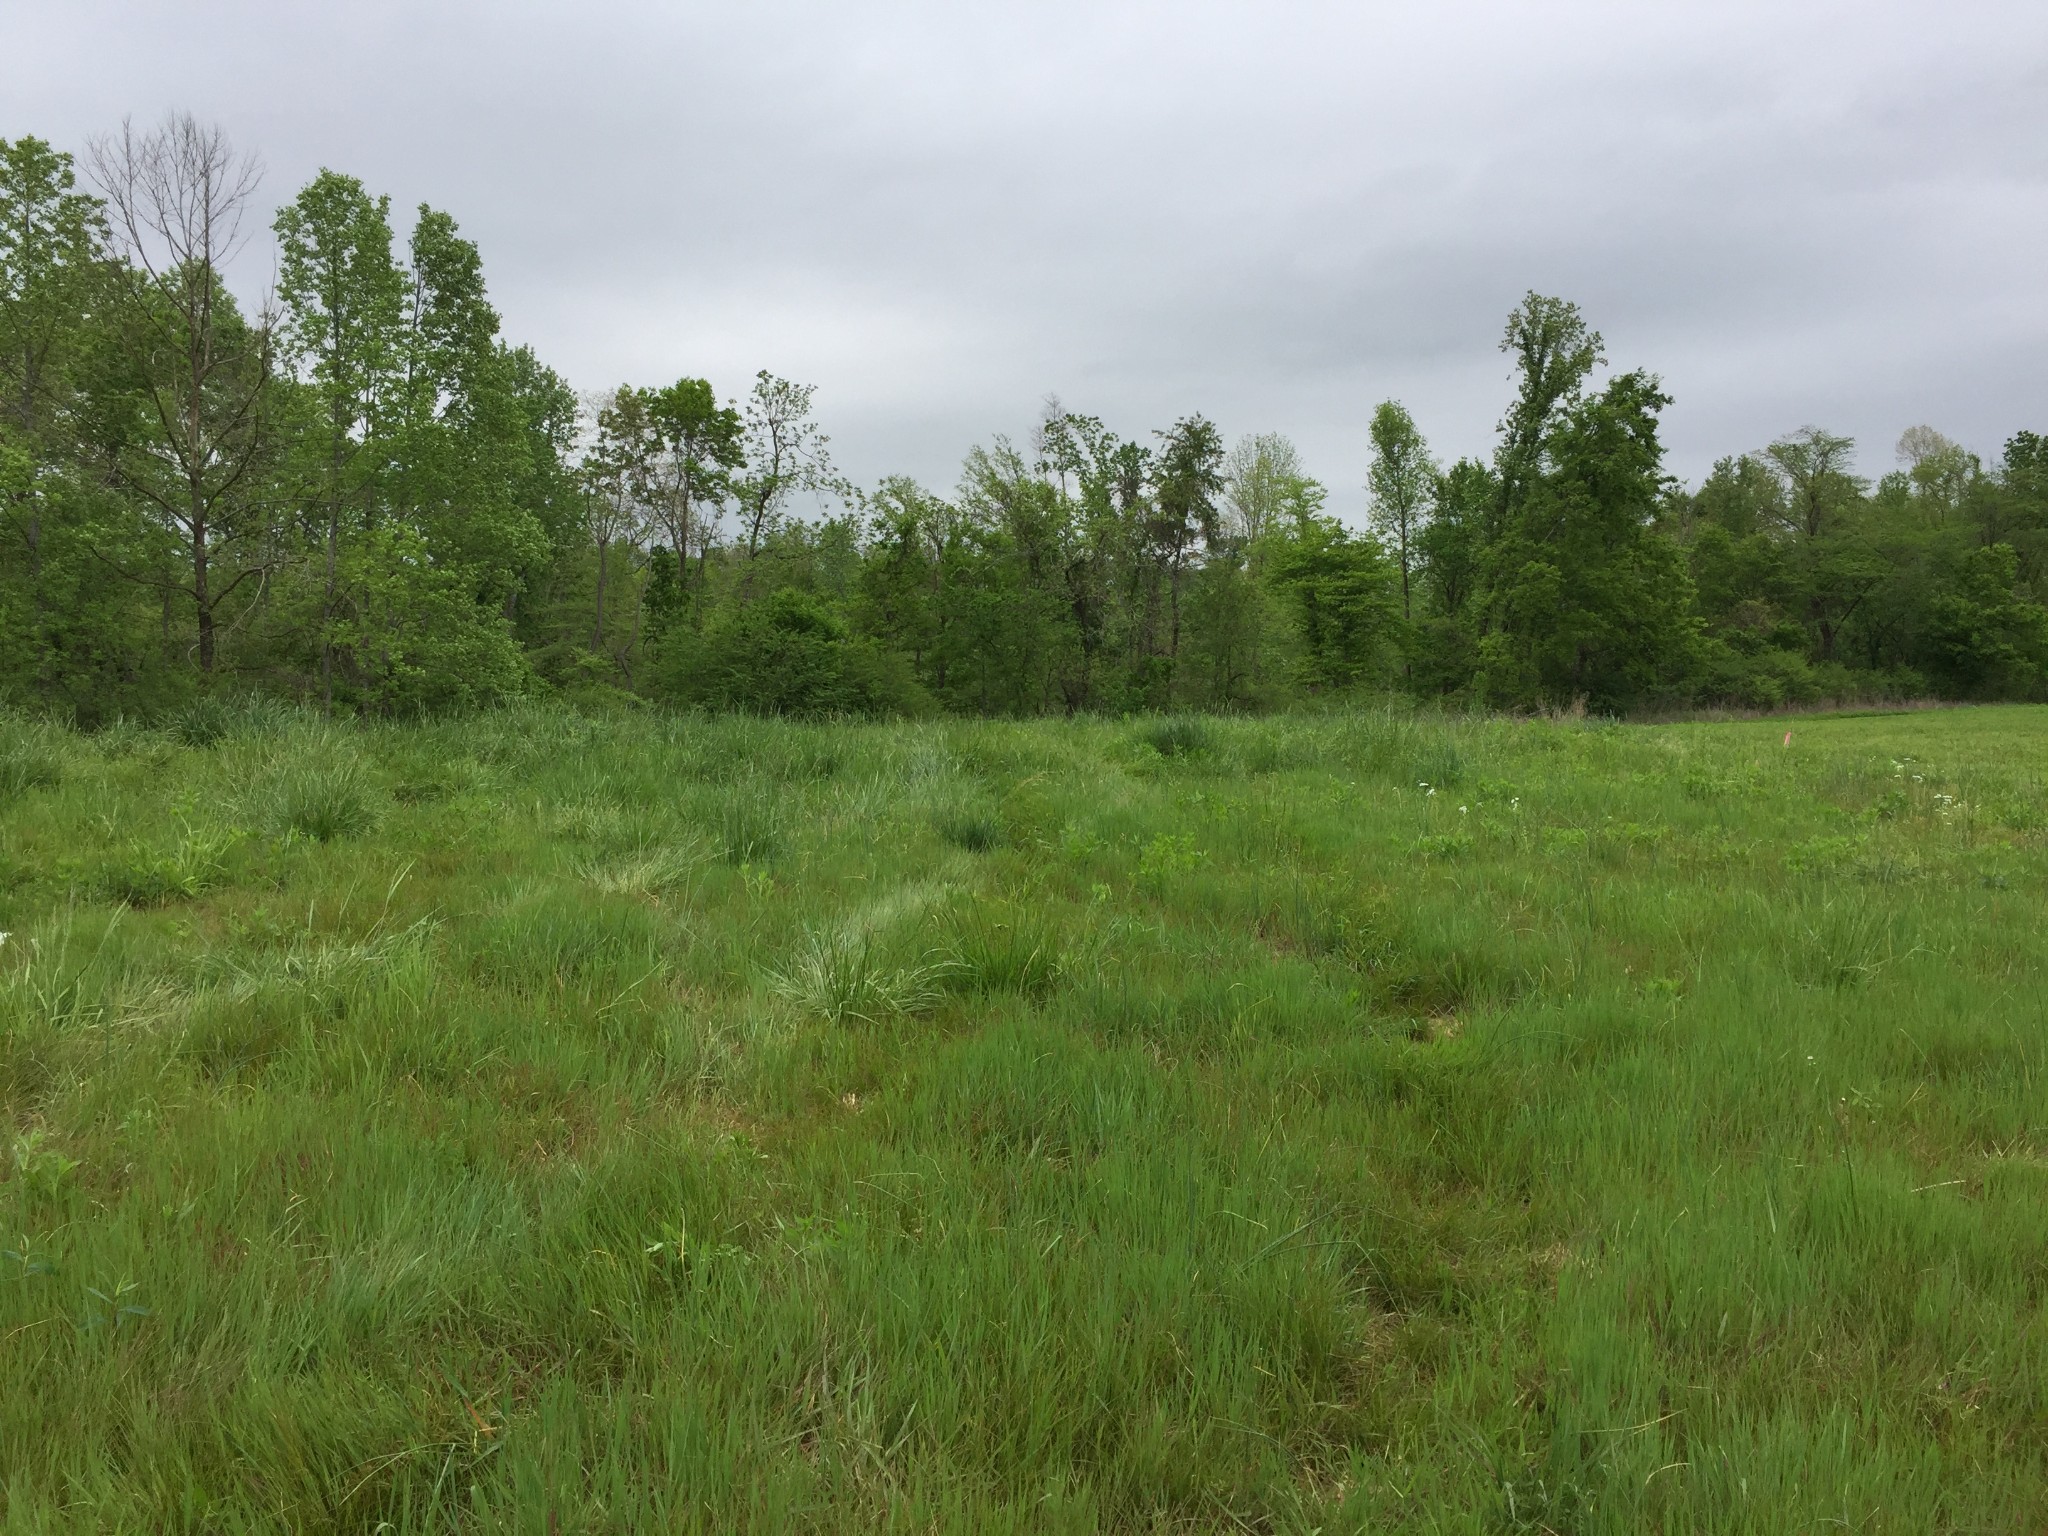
point(1358, 1123)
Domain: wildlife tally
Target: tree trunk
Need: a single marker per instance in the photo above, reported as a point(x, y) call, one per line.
point(336, 429)
point(202, 595)
point(327, 611)
point(1407, 612)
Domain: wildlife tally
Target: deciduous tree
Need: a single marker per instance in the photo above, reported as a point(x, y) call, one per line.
point(1400, 481)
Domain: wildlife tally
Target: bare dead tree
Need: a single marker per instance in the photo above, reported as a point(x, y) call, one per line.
point(201, 372)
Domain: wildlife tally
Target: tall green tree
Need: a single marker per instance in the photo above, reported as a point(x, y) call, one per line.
point(1555, 351)
point(1104, 482)
point(65, 636)
point(690, 476)
point(1585, 600)
point(2016, 513)
point(1819, 489)
point(1835, 567)
point(1257, 477)
point(617, 471)
point(52, 239)
point(1985, 636)
point(1187, 478)
point(1342, 593)
point(343, 295)
point(1941, 471)
point(471, 409)
point(1400, 481)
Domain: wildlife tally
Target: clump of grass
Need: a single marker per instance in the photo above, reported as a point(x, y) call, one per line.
point(323, 798)
point(155, 876)
point(1178, 736)
point(1413, 963)
point(1027, 1090)
point(644, 871)
point(750, 829)
point(596, 821)
point(28, 761)
point(843, 977)
point(130, 740)
point(1439, 763)
point(1822, 855)
point(1268, 747)
point(1887, 866)
point(1704, 785)
point(427, 783)
point(568, 938)
point(214, 718)
point(1843, 942)
point(324, 971)
point(996, 948)
point(813, 764)
point(46, 984)
point(1431, 976)
point(976, 830)
point(1168, 855)
point(230, 1032)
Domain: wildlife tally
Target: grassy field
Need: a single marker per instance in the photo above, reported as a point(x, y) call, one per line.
point(1364, 1123)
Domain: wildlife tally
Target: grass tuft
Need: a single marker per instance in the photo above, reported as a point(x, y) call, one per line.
point(842, 977)
point(28, 761)
point(323, 799)
point(995, 948)
point(213, 718)
point(750, 829)
point(157, 875)
point(977, 831)
point(1179, 736)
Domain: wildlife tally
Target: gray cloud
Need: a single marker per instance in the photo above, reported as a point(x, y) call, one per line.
point(1275, 213)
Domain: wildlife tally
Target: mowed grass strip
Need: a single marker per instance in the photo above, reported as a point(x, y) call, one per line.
point(1356, 1123)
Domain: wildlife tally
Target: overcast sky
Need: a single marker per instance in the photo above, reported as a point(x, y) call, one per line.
point(1276, 214)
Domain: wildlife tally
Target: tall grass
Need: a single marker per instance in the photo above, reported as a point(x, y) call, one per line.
point(1367, 1122)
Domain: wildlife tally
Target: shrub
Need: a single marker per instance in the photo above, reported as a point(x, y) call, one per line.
point(1167, 855)
point(785, 655)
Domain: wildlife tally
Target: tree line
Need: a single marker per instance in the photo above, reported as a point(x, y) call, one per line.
point(357, 494)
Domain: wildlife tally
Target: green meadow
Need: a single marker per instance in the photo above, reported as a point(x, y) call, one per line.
point(1358, 1122)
